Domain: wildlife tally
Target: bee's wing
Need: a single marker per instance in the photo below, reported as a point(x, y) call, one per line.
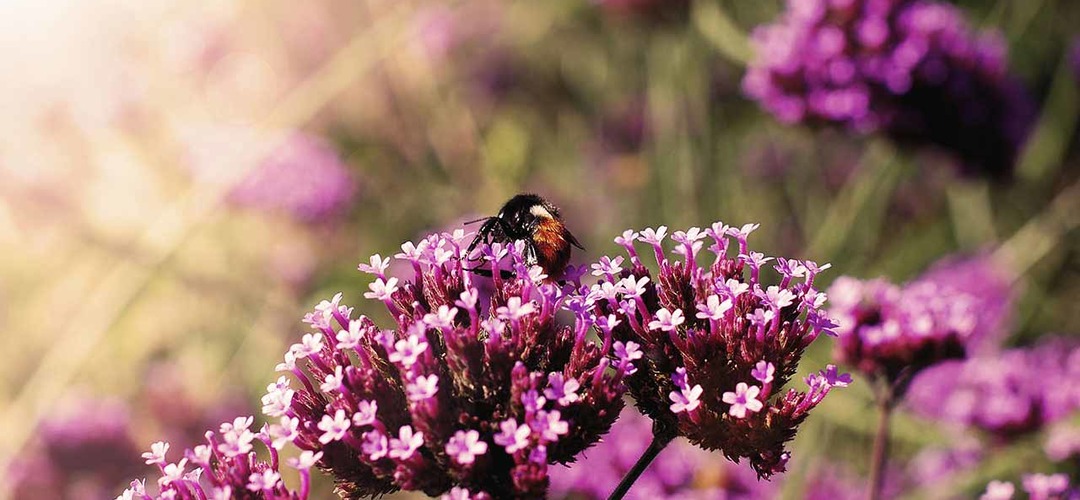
point(573, 240)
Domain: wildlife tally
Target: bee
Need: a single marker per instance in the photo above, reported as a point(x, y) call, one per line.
point(535, 221)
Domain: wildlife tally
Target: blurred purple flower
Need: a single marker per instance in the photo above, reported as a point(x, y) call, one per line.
point(680, 471)
point(182, 410)
point(833, 481)
point(442, 30)
point(986, 281)
point(84, 450)
point(937, 465)
point(1062, 442)
point(1016, 391)
point(299, 175)
point(704, 329)
point(456, 395)
point(1037, 486)
point(909, 68)
point(892, 332)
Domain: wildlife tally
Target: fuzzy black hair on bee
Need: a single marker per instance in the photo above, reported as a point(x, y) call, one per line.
point(535, 221)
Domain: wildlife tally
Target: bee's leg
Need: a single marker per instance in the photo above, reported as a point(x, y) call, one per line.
point(484, 234)
point(530, 254)
point(480, 271)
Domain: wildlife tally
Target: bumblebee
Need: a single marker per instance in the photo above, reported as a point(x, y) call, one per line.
point(535, 221)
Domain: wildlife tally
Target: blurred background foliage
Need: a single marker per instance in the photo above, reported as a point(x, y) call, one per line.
point(179, 181)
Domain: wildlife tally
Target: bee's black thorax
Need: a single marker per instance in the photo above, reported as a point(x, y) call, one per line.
point(535, 221)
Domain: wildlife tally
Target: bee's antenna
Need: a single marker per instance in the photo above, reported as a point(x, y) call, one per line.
point(477, 220)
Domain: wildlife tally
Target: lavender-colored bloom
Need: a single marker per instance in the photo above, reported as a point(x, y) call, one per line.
point(84, 449)
point(893, 332)
point(834, 481)
point(1017, 391)
point(220, 466)
point(934, 466)
point(912, 69)
point(998, 490)
point(989, 283)
point(1044, 486)
point(1037, 486)
point(680, 471)
point(454, 396)
point(698, 370)
point(299, 175)
point(1062, 442)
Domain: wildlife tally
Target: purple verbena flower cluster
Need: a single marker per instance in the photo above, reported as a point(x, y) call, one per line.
point(298, 174)
point(303, 177)
point(226, 467)
point(1037, 486)
point(891, 332)
point(716, 342)
point(680, 471)
point(986, 281)
point(83, 449)
point(1016, 391)
point(461, 397)
point(909, 68)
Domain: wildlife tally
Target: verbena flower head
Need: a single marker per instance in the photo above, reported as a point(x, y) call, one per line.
point(893, 331)
point(83, 449)
point(827, 480)
point(460, 395)
point(1037, 486)
point(680, 471)
point(714, 340)
point(225, 466)
point(1016, 391)
point(912, 69)
point(988, 283)
point(300, 175)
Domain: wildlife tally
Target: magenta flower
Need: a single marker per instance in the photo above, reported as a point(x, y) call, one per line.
point(298, 174)
point(1007, 394)
point(744, 399)
point(1037, 486)
point(998, 490)
point(226, 464)
point(83, 448)
point(702, 329)
point(480, 396)
point(892, 332)
point(464, 447)
point(512, 436)
point(911, 69)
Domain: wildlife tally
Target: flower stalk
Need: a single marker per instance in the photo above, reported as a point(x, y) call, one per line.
point(659, 441)
point(880, 455)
